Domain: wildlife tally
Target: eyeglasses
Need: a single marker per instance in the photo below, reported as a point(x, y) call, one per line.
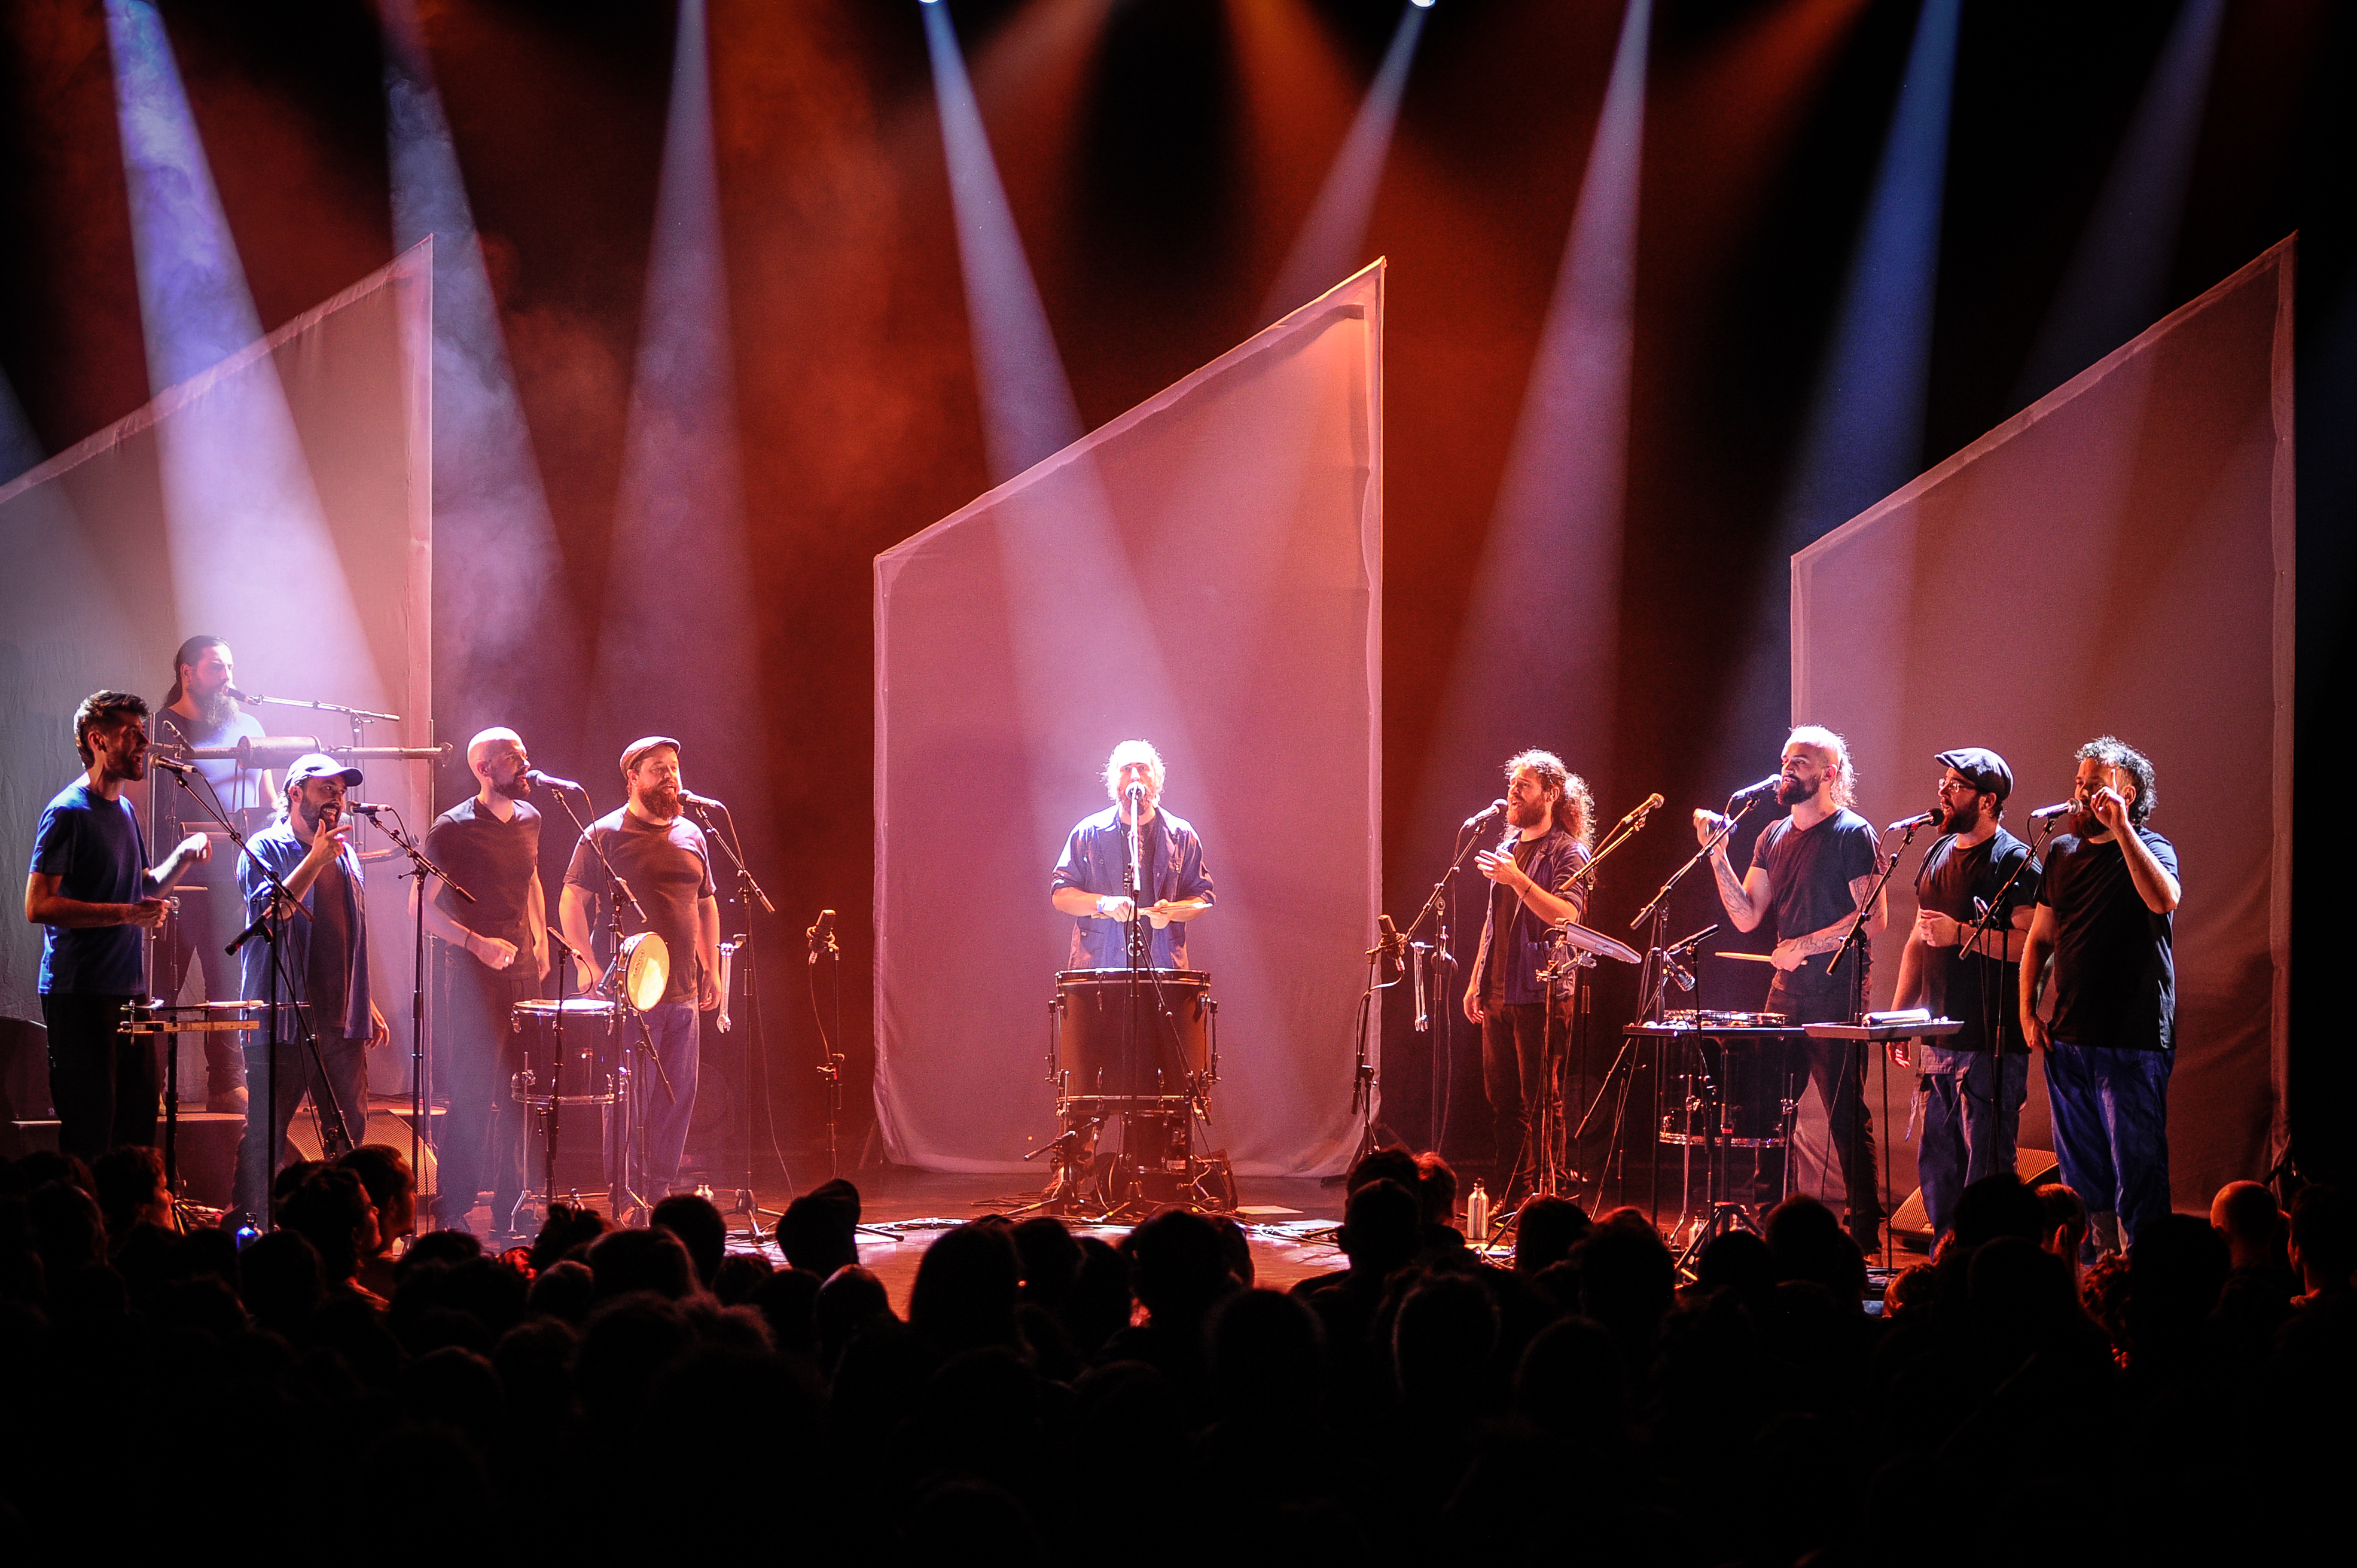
point(1958, 787)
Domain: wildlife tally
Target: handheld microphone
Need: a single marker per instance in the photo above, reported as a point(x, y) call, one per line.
point(367, 808)
point(1765, 787)
point(182, 769)
point(552, 781)
point(2046, 813)
point(1478, 818)
point(1931, 818)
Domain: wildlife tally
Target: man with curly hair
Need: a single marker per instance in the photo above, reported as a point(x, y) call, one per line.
point(1534, 884)
point(2105, 914)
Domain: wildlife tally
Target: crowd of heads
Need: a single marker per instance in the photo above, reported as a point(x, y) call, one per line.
point(610, 1388)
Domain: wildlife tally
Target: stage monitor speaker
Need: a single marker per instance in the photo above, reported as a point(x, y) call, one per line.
point(1912, 1225)
point(384, 1126)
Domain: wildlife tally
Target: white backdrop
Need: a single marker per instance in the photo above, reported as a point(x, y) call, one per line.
point(2117, 558)
point(313, 557)
point(1205, 572)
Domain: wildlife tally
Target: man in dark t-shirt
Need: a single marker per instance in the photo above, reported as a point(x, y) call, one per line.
point(2106, 917)
point(1534, 884)
point(664, 862)
point(1970, 1096)
point(91, 891)
point(1812, 871)
point(494, 955)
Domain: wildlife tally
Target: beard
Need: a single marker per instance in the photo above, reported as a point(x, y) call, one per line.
point(662, 801)
point(1791, 791)
point(515, 789)
point(1528, 814)
point(313, 816)
point(214, 711)
point(1957, 819)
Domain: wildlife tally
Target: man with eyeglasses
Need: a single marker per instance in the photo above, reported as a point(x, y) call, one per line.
point(1969, 1095)
point(2105, 917)
point(322, 950)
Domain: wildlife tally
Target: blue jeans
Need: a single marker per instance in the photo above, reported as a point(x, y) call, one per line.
point(1957, 1151)
point(265, 1148)
point(675, 1028)
point(2111, 1128)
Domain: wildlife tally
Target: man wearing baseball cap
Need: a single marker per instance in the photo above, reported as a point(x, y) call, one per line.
point(663, 857)
point(323, 954)
point(1971, 1097)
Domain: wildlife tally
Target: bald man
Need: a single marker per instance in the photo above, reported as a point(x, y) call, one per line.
point(495, 954)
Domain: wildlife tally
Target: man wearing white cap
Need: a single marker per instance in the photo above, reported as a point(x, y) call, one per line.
point(663, 857)
point(323, 954)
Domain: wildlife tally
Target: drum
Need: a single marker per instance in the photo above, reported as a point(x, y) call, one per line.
point(1731, 1094)
point(1174, 1057)
point(645, 968)
point(591, 1050)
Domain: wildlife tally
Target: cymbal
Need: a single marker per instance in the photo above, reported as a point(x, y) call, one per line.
point(1587, 940)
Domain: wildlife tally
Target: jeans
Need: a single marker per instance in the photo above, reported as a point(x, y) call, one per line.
point(482, 1145)
point(102, 1082)
point(1958, 1121)
point(265, 1148)
point(675, 1028)
point(2111, 1128)
point(1838, 1069)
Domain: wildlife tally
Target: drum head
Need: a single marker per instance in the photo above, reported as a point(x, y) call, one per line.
point(646, 970)
point(572, 1007)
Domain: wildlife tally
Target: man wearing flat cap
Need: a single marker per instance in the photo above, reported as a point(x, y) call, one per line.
point(1970, 1096)
point(663, 857)
point(323, 952)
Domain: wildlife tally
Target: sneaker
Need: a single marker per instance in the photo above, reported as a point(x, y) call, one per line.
point(227, 1101)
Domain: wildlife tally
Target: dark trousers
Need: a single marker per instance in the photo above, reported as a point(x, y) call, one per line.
point(1837, 1067)
point(480, 1148)
point(1515, 1040)
point(1972, 1119)
point(101, 1080)
point(2111, 1129)
point(195, 936)
point(340, 1074)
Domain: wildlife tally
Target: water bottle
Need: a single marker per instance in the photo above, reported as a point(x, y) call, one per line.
point(1476, 1212)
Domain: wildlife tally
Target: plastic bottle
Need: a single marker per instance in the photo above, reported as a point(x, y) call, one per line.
point(1476, 1213)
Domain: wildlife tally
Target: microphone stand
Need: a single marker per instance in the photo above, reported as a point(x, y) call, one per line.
point(1653, 978)
point(821, 936)
point(420, 868)
point(616, 1160)
point(1857, 1016)
point(748, 894)
point(1995, 917)
point(1436, 908)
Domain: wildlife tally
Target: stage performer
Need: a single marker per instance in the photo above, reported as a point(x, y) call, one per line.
point(1089, 885)
point(664, 861)
point(1533, 884)
point(2105, 917)
point(93, 895)
point(1969, 1097)
point(1812, 870)
point(496, 955)
point(199, 710)
point(324, 956)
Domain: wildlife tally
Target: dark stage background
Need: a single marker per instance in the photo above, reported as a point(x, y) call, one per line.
point(1159, 155)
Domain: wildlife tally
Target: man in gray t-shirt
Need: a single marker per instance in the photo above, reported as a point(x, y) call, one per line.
point(663, 859)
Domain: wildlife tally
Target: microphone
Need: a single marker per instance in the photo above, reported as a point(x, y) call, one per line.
point(234, 694)
point(552, 781)
point(1478, 818)
point(706, 802)
point(1931, 818)
point(2047, 813)
point(182, 769)
point(367, 808)
point(1391, 944)
point(1652, 802)
point(1765, 787)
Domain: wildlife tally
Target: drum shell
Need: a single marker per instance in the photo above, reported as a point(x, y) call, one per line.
point(1741, 1085)
point(1093, 1035)
point(592, 1052)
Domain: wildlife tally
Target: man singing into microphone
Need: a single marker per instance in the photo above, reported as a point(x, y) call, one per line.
point(1533, 884)
point(663, 859)
point(2105, 915)
point(324, 951)
point(201, 711)
point(1971, 1115)
point(1813, 869)
point(1088, 883)
point(497, 950)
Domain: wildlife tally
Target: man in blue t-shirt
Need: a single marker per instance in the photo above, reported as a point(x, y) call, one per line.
point(94, 893)
point(2105, 915)
point(1812, 870)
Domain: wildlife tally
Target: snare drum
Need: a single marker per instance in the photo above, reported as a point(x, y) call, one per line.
point(1175, 1057)
point(586, 1074)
